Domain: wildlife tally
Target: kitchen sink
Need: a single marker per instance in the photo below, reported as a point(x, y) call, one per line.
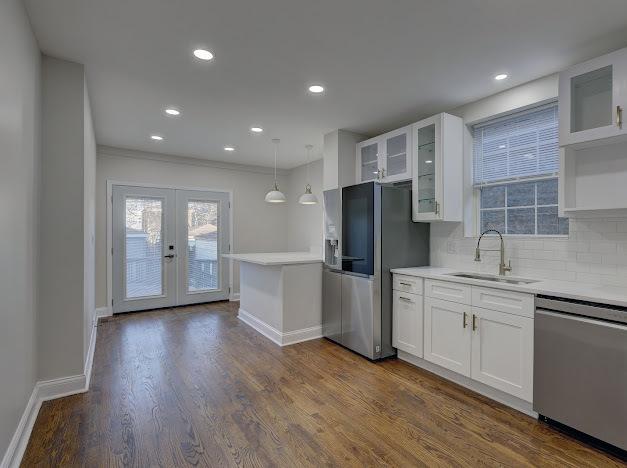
point(493, 278)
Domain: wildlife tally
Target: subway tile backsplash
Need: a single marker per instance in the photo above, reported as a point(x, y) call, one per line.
point(594, 252)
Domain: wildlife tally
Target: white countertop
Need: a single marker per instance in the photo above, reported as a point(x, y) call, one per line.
point(613, 295)
point(277, 258)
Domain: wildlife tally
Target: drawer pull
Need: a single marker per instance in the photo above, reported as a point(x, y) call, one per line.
point(406, 299)
point(405, 284)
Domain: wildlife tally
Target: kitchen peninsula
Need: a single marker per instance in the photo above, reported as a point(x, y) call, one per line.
point(280, 295)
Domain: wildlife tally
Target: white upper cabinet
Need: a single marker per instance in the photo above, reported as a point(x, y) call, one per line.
point(592, 96)
point(385, 158)
point(437, 175)
point(368, 165)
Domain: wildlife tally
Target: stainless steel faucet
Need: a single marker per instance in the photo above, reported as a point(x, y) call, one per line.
point(502, 267)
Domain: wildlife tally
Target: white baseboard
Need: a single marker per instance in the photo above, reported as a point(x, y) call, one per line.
point(89, 361)
point(103, 312)
point(485, 390)
point(43, 391)
point(304, 334)
point(13, 455)
point(278, 337)
point(234, 297)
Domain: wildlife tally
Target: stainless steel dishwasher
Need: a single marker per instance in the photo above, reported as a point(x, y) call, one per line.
point(580, 367)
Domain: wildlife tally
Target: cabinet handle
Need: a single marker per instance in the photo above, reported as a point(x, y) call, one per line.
point(405, 284)
point(619, 116)
point(474, 322)
point(437, 208)
point(383, 173)
point(464, 323)
point(406, 299)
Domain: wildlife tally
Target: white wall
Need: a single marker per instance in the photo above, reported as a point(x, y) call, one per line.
point(65, 221)
point(20, 159)
point(304, 222)
point(257, 226)
point(594, 252)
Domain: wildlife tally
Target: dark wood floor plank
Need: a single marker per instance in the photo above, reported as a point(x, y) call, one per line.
point(194, 386)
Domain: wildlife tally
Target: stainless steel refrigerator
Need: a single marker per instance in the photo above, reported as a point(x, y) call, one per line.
point(368, 231)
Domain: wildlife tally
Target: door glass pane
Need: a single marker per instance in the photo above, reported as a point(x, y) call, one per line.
point(396, 155)
point(369, 162)
point(202, 246)
point(426, 169)
point(591, 100)
point(358, 228)
point(143, 250)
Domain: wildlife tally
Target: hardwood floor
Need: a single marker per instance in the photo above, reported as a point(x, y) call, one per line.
point(195, 386)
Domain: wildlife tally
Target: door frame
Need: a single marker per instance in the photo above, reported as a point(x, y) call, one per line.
point(109, 228)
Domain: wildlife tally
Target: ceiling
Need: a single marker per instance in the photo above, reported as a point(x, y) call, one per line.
point(383, 63)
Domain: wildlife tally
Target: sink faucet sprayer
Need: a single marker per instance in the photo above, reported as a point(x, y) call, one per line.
point(502, 267)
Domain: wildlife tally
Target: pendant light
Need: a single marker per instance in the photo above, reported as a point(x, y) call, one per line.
point(308, 198)
point(275, 195)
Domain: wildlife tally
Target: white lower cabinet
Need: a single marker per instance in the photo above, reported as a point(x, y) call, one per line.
point(447, 335)
point(502, 351)
point(407, 326)
point(451, 327)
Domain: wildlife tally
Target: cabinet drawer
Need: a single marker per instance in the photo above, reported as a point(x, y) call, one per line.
point(448, 291)
point(511, 302)
point(408, 284)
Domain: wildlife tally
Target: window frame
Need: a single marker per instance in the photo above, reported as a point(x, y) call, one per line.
point(476, 190)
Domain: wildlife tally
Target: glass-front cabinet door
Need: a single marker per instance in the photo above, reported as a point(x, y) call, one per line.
point(397, 157)
point(427, 166)
point(592, 96)
point(368, 167)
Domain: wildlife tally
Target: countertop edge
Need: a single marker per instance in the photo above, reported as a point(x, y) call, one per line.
point(270, 262)
point(586, 292)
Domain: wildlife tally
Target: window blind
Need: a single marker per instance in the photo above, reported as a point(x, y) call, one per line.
point(518, 146)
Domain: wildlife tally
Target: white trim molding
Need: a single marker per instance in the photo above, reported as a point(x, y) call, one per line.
point(103, 312)
point(109, 228)
point(234, 297)
point(48, 390)
point(43, 391)
point(278, 337)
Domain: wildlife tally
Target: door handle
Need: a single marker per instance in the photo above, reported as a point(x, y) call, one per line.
point(169, 256)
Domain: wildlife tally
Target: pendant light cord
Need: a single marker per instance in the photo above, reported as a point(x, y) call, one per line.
point(276, 142)
point(308, 147)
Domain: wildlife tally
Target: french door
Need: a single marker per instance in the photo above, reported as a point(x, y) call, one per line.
point(168, 246)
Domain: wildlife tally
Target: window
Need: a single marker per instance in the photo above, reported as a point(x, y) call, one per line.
point(515, 166)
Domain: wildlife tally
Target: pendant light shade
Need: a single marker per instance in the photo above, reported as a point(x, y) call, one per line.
point(308, 198)
point(275, 195)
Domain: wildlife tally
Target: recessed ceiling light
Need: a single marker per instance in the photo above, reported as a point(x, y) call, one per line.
point(156, 137)
point(256, 129)
point(203, 54)
point(172, 111)
point(229, 148)
point(316, 89)
point(500, 77)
